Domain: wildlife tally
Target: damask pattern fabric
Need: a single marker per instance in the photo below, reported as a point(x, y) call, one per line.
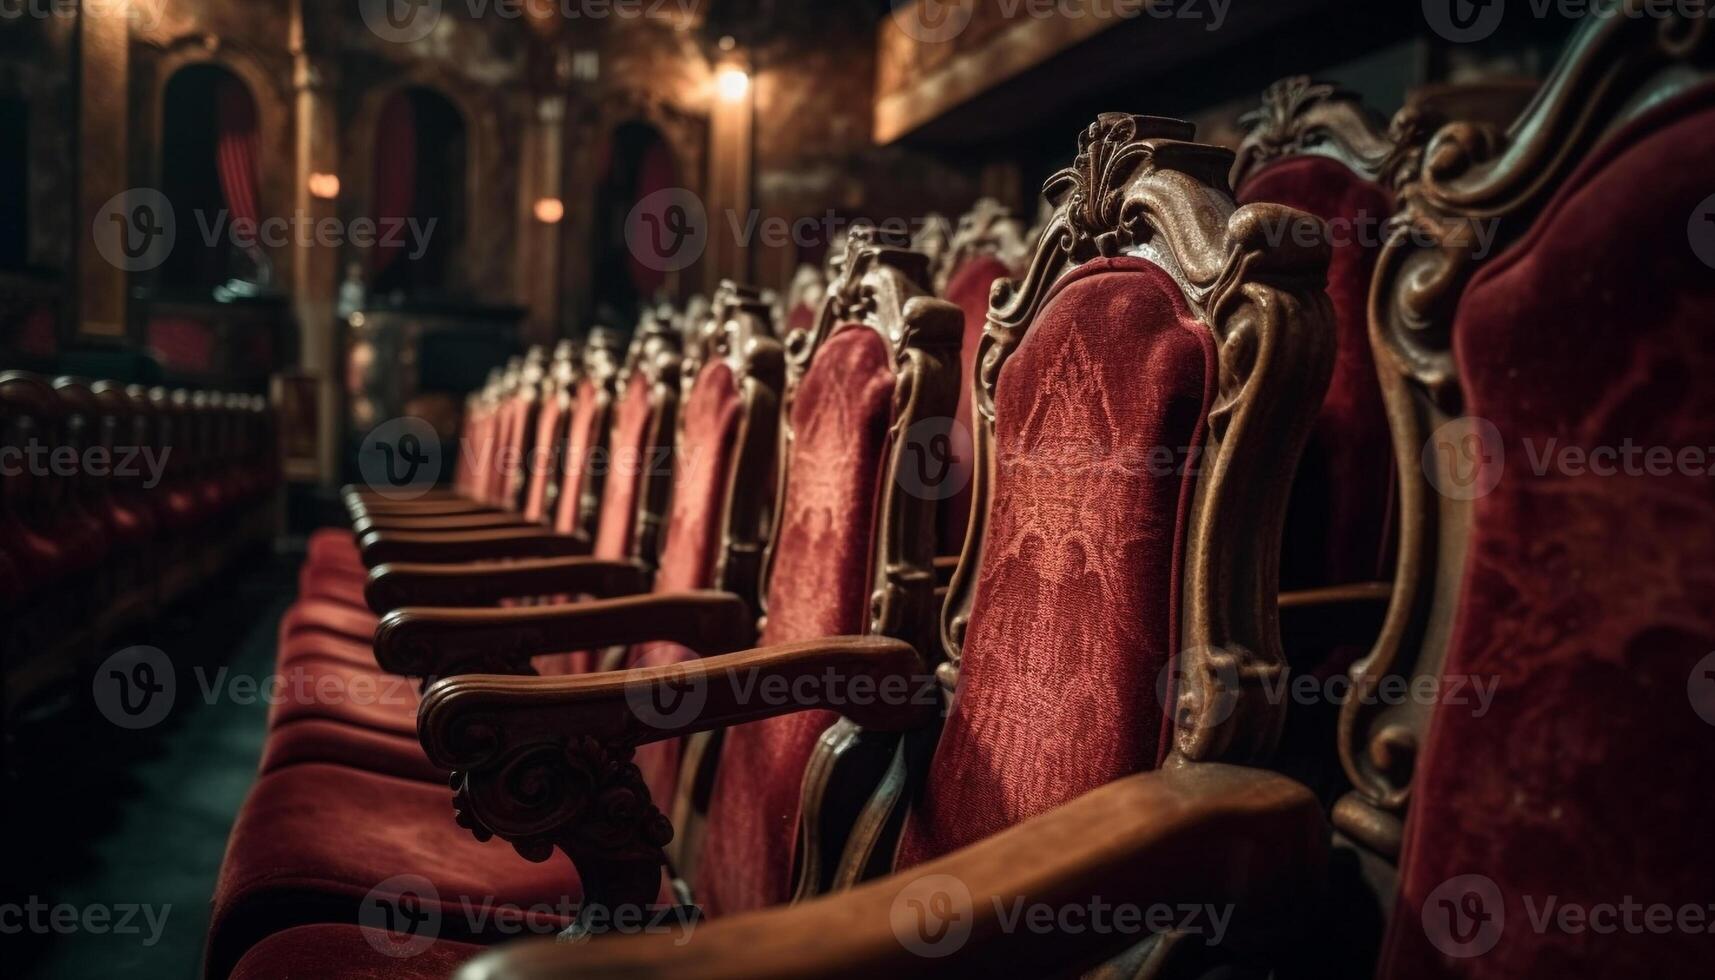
point(1075, 614)
point(819, 587)
point(1586, 782)
point(628, 463)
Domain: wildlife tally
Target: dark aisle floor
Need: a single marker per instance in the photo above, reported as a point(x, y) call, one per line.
point(114, 837)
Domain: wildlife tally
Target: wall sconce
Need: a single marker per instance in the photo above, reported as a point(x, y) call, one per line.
point(324, 186)
point(549, 210)
point(732, 83)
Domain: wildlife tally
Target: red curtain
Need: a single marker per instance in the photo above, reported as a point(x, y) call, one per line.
point(235, 148)
point(395, 176)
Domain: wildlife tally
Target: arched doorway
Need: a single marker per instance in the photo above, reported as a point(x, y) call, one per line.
point(209, 148)
point(639, 164)
point(421, 166)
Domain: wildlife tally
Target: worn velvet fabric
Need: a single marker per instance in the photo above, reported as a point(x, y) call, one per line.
point(1075, 616)
point(544, 457)
point(692, 547)
point(1586, 597)
point(581, 437)
point(312, 840)
point(1338, 526)
point(819, 587)
point(628, 464)
point(968, 288)
point(345, 952)
point(328, 741)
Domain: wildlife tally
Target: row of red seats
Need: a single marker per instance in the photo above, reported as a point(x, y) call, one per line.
point(118, 501)
point(1089, 708)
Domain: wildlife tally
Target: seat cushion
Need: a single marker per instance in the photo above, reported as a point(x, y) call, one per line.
point(337, 619)
point(346, 693)
point(350, 952)
point(1585, 601)
point(819, 587)
point(334, 547)
point(312, 841)
point(1075, 613)
point(312, 740)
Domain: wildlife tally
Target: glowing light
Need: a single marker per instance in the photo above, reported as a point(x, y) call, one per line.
point(324, 186)
point(732, 83)
point(549, 210)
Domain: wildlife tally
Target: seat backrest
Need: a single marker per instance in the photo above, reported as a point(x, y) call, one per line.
point(1142, 397)
point(1315, 147)
point(852, 548)
point(639, 456)
point(1542, 326)
point(722, 497)
point(575, 498)
point(553, 414)
point(987, 246)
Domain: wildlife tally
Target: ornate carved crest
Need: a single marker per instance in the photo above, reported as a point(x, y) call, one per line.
point(988, 228)
point(1299, 116)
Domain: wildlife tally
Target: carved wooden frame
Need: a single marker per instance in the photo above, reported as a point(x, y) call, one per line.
point(1303, 117)
point(988, 228)
point(602, 360)
point(1139, 187)
point(1450, 177)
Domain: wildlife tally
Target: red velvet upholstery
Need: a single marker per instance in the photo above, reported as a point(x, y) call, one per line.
point(312, 840)
point(628, 464)
point(580, 438)
point(325, 740)
point(344, 952)
point(968, 288)
point(322, 615)
point(1586, 598)
point(693, 539)
point(819, 587)
point(1076, 609)
point(1338, 525)
point(542, 458)
point(358, 695)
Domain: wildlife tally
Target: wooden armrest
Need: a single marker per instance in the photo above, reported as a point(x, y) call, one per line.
point(1341, 615)
point(486, 583)
point(545, 762)
point(384, 547)
point(418, 508)
point(438, 642)
point(479, 521)
point(1223, 850)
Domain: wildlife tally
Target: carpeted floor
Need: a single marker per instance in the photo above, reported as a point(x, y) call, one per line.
point(114, 837)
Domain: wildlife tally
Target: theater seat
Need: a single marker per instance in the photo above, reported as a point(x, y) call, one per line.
point(313, 840)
